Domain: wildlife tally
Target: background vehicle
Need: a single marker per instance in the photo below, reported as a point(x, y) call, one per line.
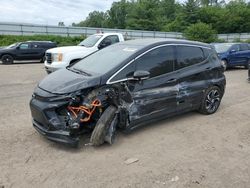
point(25, 51)
point(145, 81)
point(63, 56)
point(233, 54)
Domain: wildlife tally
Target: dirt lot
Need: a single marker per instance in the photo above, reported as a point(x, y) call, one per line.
point(190, 150)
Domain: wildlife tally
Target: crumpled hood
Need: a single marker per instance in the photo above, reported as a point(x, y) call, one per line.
point(67, 49)
point(65, 81)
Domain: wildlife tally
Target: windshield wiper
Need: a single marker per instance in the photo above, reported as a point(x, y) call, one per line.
point(79, 71)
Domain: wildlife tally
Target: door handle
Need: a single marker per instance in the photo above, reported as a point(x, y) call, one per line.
point(172, 80)
point(208, 68)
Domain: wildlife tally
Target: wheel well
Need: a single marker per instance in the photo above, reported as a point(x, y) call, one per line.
point(220, 87)
point(6, 54)
point(224, 59)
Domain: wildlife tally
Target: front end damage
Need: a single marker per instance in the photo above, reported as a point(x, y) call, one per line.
point(63, 118)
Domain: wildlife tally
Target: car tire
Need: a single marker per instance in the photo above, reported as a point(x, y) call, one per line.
point(247, 65)
point(7, 59)
point(224, 64)
point(43, 59)
point(211, 100)
point(102, 125)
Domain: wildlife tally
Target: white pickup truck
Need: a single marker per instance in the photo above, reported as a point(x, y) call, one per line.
point(61, 57)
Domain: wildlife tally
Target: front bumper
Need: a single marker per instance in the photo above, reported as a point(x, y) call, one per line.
point(47, 123)
point(54, 66)
point(57, 136)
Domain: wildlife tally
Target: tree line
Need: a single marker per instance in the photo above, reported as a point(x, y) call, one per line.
point(195, 18)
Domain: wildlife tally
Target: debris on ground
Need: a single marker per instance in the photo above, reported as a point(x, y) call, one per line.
point(131, 160)
point(174, 179)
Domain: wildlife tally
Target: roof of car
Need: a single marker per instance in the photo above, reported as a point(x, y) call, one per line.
point(40, 41)
point(230, 43)
point(106, 34)
point(158, 41)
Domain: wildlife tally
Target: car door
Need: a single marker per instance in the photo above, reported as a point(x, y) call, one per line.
point(156, 96)
point(244, 53)
point(193, 74)
point(23, 51)
point(37, 51)
point(236, 56)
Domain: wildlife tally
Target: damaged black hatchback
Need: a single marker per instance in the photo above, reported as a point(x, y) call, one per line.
point(127, 85)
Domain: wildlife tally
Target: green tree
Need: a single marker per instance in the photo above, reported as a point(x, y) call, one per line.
point(215, 16)
point(118, 14)
point(94, 19)
point(237, 17)
point(191, 11)
point(145, 15)
point(178, 25)
point(168, 15)
point(200, 32)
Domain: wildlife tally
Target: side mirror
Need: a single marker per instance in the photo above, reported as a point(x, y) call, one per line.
point(18, 47)
point(141, 75)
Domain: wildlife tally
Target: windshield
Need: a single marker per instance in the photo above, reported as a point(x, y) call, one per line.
point(12, 45)
point(90, 41)
point(220, 48)
point(106, 59)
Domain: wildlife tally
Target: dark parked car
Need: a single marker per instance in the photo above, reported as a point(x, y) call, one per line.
point(233, 54)
point(127, 85)
point(25, 51)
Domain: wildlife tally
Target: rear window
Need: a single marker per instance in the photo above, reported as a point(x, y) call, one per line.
point(188, 56)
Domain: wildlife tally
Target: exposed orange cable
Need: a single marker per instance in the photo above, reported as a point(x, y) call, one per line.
point(89, 111)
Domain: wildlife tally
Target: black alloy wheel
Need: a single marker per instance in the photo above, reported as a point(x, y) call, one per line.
point(7, 59)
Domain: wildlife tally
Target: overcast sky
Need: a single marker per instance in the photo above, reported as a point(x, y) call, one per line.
point(50, 12)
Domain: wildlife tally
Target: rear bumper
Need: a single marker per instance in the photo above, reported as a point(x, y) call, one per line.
point(57, 136)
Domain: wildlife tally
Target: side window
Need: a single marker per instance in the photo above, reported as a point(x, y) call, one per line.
point(235, 47)
point(206, 52)
point(158, 61)
point(24, 46)
point(127, 72)
point(244, 47)
point(34, 45)
point(188, 56)
point(113, 38)
point(108, 41)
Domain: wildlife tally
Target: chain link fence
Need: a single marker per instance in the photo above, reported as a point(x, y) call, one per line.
point(35, 29)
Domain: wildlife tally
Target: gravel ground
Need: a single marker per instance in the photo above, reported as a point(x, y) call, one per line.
point(190, 150)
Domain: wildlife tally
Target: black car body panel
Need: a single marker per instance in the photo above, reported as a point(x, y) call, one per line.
point(29, 50)
point(69, 101)
point(72, 81)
